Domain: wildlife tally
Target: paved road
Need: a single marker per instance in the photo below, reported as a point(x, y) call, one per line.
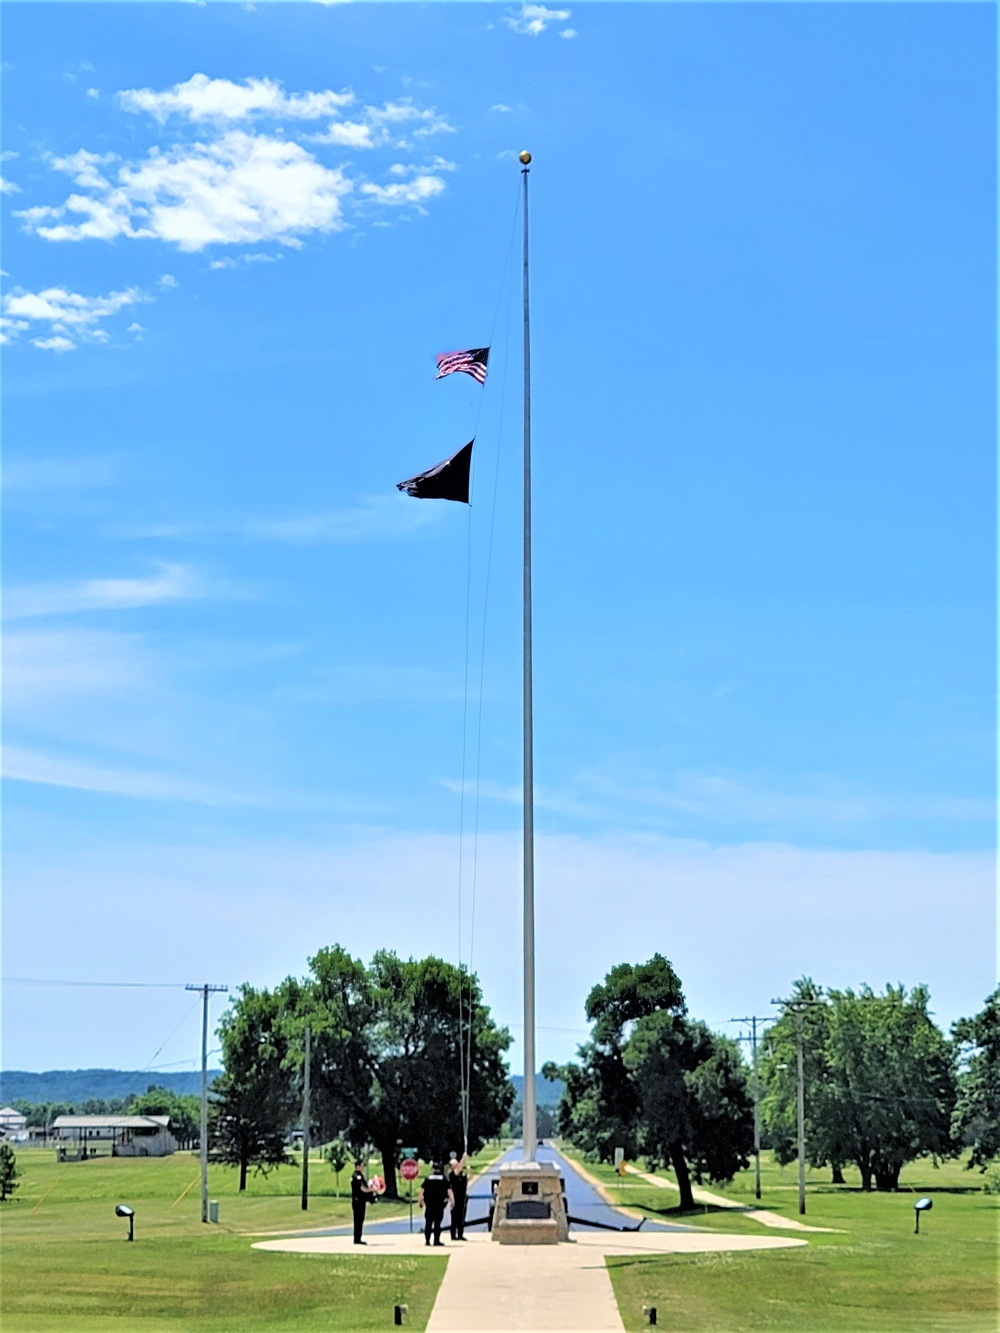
point(583, 1200)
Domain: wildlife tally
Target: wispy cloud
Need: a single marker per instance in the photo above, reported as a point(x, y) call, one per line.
point(374, 518)
point(395, 684)
point(533, 20)
point(21, 765)
point(171, 583)
point(56, 474)
point(65, 313)
point(203, 99)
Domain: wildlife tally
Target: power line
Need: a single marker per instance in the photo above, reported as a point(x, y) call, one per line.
point(131, 985)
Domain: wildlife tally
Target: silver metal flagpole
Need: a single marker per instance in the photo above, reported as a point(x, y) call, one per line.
point(530, 1134)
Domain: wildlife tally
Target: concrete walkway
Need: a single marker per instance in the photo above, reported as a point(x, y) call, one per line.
point(490, 1288)
point(761, 1215)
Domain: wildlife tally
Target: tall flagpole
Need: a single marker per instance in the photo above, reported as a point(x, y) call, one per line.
point(530, 1135)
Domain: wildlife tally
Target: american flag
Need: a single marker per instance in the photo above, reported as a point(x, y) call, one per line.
point(472, 362)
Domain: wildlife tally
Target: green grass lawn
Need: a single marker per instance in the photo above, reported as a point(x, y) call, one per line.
point(67, 1266)
point(877, 1275)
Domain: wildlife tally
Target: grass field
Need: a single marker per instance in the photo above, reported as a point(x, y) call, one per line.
point(67, 1266)
point(876, 1275)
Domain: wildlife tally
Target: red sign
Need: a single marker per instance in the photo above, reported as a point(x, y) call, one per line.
point(409, 1169)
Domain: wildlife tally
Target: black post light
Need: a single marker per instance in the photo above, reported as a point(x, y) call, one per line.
point(921, 1206)
point(123, 1210)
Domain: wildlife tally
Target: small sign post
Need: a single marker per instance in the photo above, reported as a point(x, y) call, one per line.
point(409, 1169)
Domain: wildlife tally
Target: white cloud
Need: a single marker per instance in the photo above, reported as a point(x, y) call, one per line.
point(255, 258)
point(375, 518)
point(348, 134)
point(94, 93)
point(241, 188)
point(568, 32)
point(57, 343)
point(8, 155)
point(65, 312)
point(136, 330)
point(9, 187)
point(415, 191)
point(532, 20)
point(172, 583)
point(499, 106)
point(220, 100)
point(47, 474)
point(21, 765)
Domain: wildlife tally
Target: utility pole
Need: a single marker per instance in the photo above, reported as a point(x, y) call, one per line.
point(206, 990)
point(753, 1020)
point(305, 1124)
point(798, 1008)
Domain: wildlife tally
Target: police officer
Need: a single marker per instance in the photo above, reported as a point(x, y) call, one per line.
point(434, 1195)
point(458, 1183)
point(361, 1192)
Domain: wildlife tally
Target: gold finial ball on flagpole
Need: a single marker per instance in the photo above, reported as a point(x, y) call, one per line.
point(524, 156)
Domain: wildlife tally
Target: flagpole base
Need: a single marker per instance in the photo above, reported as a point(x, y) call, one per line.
point(530, 1205)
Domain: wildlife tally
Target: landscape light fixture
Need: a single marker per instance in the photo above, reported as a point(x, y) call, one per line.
point(123, 1210)
point(650, 1312)
point(921, 1206)
point(399, 1313)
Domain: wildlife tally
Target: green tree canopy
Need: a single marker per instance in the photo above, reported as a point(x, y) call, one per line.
point(183, 1109)
point(255, 1100)
point(879, 1081)
point(976, 1119)
point(388, 1044)
point(653, 1081)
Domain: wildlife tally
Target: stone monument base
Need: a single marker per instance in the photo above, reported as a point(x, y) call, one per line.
point(530, 1205)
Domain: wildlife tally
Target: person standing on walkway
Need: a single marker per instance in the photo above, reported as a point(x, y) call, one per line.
point(458, 1183)
point(360, 1193)
point(433, 1197)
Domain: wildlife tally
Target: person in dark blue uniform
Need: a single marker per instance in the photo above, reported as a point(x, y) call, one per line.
point(458, 1183)
point(361, 1192)
point(434, 1196)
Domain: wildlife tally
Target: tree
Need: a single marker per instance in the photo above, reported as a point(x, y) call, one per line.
point(879, 1081)
point(338, 1154)
point(388, 1048)
point(184, 1110)
point(653, 1081)
point(8, 1171)
point(254, 1100)
point(976, 1118)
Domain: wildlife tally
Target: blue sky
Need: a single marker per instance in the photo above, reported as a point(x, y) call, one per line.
point(235, 237)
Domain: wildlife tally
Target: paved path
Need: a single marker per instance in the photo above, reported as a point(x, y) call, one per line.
point(489, 1288)
point(761, 1215)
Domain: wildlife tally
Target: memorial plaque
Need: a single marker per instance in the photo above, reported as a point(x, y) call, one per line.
point(529, 1209)
point(529, 1186)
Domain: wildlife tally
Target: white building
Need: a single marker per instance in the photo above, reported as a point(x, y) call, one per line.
point(12, 1122)
point(81, 1136)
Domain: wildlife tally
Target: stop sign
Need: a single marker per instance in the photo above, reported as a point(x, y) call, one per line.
point(409, 1169)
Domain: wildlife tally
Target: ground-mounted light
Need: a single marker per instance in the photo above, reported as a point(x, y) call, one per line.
point(921, 1206)
point(399, 1313)
point(650, 1313)
point(123, 1210)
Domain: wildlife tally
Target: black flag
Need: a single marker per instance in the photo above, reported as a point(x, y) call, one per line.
point(448, 480)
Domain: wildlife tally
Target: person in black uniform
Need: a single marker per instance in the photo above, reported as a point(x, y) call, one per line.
point(458, 1183)
point(361, 1192)
point(433, 1197)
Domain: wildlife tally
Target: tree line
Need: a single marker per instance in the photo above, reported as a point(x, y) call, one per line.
point(404, 1053)
point(883, 1085)
point(182, 1108)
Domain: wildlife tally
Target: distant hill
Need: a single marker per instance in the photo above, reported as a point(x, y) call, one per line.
point(79, 1085)
point(546, 1093)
